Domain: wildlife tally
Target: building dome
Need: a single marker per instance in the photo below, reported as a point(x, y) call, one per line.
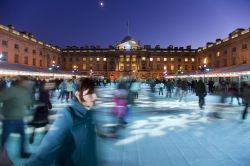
point(127, 39)
point(128, 43)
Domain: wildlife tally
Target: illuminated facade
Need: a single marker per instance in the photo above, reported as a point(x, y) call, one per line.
point(129, 58)
point(22, 48)
point(125, 58)
point(233, 50)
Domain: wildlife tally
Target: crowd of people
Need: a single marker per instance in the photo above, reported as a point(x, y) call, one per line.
point(71, 138)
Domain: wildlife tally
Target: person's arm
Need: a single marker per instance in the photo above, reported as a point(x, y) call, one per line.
point(52, 142)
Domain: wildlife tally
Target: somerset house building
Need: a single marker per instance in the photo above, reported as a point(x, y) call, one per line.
point(127, 57)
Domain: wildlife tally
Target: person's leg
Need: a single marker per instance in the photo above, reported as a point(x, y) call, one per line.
point(185, 95)
point(238, 98)
point(31, 140)
point(181, 95)
point(67, 96)
point(71, 95)
point(63, 95)
point(20, 129)
point(6, 130)
point(232, 97)
point(244, 113)
point(201, 101)
point(60, 95)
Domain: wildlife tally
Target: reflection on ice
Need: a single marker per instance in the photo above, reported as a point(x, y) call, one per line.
point(157, 126)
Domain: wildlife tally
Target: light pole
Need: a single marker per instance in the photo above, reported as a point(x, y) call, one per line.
point(75, 69)
point(204, 68)
point(54, 67)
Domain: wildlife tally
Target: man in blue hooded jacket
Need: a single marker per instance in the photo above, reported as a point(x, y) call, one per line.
point(71, 139)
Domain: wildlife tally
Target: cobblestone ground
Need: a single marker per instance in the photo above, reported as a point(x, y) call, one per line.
point(165, 132)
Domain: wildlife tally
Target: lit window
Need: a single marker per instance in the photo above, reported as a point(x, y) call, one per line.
point(104, 59)
point(205, 60)
point(143, 58)
point(186, 59)
point(165, 59)
point(151, 59)
point(134, 59)
point(192, 59)
point(91, 59)
point(127, 59)
point(84, 67)
point(165, 67)
point(83, 59)
point(158, 59)
point(134, 67)
point(121, 59)
point(172, 59)
point(218, 53)
point(98, 59)
point(121, 67)
point(172, 67)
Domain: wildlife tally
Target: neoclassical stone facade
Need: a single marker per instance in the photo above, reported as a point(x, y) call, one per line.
point(233, 50)
point(125, 58)
point(23, 48)
point(129, 58)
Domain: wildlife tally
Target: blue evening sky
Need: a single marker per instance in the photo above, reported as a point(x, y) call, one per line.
point(164, 22)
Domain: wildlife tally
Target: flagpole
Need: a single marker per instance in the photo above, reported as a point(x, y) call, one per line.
point(128, 27)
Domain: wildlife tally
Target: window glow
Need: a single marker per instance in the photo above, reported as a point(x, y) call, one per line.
point(205, 60)
point(218, 53)
point(84, 66)
point(151, 59)
point(127, 46)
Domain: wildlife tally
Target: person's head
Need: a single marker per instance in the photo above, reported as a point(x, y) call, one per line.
point(85, 92)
